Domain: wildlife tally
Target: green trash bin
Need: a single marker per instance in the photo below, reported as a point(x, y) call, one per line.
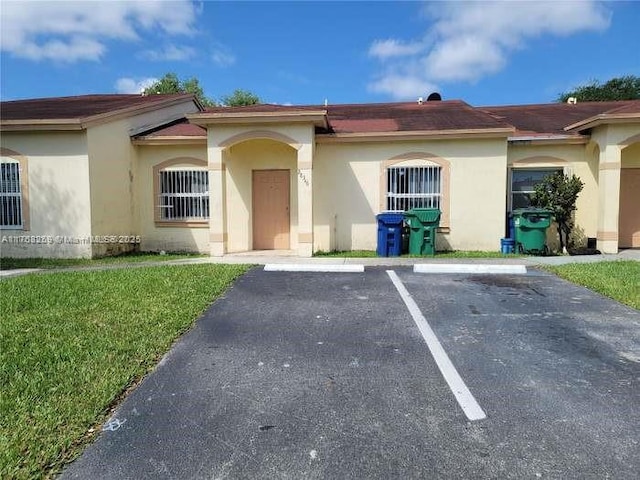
point(423, 223)
point(531, 230)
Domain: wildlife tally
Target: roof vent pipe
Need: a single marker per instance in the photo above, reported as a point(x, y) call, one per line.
point(572, 100)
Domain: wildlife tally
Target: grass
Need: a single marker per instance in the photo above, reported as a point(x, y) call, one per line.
point(347, 253)
point(447, 254)
point(7, 263)
point(619, 280)
point(73, 342)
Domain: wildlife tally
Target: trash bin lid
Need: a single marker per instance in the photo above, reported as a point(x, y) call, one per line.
point(531, 211)
point(426, 215)
point(390, 217)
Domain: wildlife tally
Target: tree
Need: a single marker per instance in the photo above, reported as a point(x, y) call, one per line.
point(240, 98)
point(170, 83)
point(619, 88)
point(558, 193)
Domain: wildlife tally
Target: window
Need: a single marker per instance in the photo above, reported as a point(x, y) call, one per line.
point(184, 195)
point(414, 187)
point(523, 182)
point(11, 215)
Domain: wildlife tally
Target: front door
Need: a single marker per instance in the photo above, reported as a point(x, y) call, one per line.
point(271, 210)
point(629, 217)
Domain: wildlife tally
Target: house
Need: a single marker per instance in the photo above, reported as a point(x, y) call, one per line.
point(102, 174)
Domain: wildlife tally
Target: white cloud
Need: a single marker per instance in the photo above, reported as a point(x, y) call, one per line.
point(170, 53)
point(222, 56)
point(389, 48)
point(402, 86)
point(73, 31)
point(132, 85)
point(470, 40)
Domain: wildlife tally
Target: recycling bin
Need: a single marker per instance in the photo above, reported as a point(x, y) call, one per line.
point(423, 223)
point(389, 234)
point(530, 226)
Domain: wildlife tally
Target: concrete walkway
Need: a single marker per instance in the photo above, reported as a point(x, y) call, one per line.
point(287, 257)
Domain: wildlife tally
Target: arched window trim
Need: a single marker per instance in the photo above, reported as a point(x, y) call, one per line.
point(202, 205)
point(418, 159)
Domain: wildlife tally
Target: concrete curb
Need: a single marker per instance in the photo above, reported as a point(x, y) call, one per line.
point(469, 268)
point(292, 267)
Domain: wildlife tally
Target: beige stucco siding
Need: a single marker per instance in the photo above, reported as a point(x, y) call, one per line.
point(112, 167)
point(157, 238)
point(348, 191)
point(58, 195)
point(111, 157)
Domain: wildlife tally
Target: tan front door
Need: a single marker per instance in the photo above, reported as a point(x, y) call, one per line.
point(629, 219)
point(271, 210)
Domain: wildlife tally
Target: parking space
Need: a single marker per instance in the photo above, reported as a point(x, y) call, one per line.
point(327, 375)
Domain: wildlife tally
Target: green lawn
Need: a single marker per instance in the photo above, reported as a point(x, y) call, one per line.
point(72, 342)
point(619, 280)
point(13, 263)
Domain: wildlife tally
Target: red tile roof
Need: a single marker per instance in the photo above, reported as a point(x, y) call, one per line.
point(77, 107)
point(552, 118)
point(386, 117)
point(407, 117)
point(530, 120)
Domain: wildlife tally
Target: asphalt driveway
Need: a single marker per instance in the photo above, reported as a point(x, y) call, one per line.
point(318, 375)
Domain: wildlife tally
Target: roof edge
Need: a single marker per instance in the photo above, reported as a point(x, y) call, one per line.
point(317, 117)
point(170, 140)
point(415, 135)
point(602, 118)
point(81, 123)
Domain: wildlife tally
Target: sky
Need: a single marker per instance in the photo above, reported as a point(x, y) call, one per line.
point(486, 53)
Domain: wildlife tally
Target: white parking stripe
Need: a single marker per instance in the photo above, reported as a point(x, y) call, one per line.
point(465, 399)
point(298, 267)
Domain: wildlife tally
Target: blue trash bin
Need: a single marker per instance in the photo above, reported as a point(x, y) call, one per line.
point(389, 234)
point(507, 245)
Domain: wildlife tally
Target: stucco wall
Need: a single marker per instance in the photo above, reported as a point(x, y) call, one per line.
point(111, 169)
point(58, 195)
point(631, 157)
point(348, 192)
point(111, 158)
point(155, 238)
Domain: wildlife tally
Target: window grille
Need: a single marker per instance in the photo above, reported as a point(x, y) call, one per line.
point(414, 187)
point(10, 195)
point(184, 195)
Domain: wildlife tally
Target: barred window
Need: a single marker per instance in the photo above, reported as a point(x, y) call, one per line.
point(10, 195)
point(184, 195)
point(414, 187)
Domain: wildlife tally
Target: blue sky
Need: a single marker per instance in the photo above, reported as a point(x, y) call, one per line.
point(486, 53)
